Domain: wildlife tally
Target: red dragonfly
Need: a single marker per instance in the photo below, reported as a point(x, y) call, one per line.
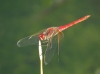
point(49, 37)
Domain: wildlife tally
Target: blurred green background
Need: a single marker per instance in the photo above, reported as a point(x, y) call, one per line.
point(80, 52)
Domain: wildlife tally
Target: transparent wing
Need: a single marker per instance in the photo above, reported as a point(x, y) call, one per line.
point(60, 41)
point(30, 40)
point(52, 45)
point(50, 50)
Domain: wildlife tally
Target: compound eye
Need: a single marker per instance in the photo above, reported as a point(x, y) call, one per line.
point(42, 36)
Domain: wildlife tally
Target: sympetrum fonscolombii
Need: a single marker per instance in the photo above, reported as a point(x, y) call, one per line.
point(48, 38)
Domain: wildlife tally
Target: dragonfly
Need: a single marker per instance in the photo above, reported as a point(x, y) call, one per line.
point(50, 38)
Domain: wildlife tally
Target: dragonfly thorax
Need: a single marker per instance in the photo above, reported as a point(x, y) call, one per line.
point(48, 33)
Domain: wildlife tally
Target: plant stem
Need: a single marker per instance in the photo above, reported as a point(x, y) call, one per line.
point(41, 58)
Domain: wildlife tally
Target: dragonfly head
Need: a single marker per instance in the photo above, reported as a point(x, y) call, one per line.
point(42, 37)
